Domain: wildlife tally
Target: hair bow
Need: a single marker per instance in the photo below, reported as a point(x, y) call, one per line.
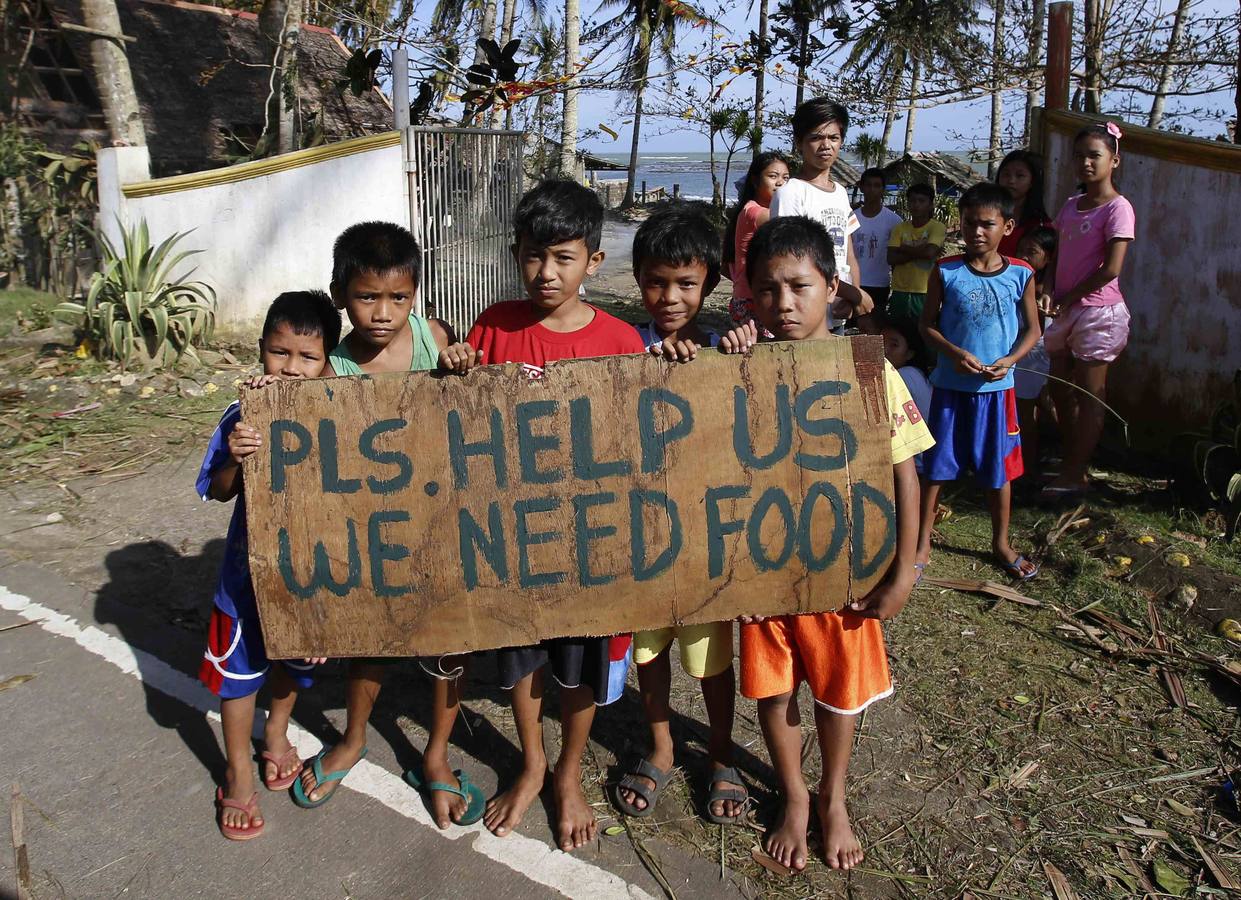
point(1114, 130)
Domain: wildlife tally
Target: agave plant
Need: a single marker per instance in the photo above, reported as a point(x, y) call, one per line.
point(136, 309)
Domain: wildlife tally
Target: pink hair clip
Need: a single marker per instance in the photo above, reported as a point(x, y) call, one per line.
point(1114, 130)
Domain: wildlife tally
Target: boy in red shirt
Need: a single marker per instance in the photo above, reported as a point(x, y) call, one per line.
point(558, 226)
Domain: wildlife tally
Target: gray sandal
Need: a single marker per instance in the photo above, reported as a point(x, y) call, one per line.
point(651, 795)
point(719, 795)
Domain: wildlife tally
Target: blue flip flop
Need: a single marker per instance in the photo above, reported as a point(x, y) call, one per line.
point(1014, 568)
point(300, 796)
point(472, 794)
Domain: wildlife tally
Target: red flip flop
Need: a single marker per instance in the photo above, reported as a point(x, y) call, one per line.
point(280, 784)
point(233, 832)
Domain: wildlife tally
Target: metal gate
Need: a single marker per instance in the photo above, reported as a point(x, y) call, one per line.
point(463, 186)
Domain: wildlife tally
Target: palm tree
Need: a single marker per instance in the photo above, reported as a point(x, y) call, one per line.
point(279, 24)
point(870, 150)
point(647, 26)
point(997, 89)
point(925, 32)
point(116, 82)
point(799, 20)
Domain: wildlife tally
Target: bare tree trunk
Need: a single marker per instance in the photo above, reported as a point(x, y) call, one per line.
point(889, 122)
point(1092, 85)
point(716, 198)
point(1165, 70)
point(288, 126)
point(1236, 102)
point(632, 177)
point(1033, 56)
point(280, 21)
point(997, 90)
point(760, 74)
point(114, 79)
point(486, 29)
point(506, 35)
point(915, 84)
point(889, 109)
point(803, 48)
point(568, 128)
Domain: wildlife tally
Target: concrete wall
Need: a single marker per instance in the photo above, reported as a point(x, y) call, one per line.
point(1182, 275)
point(264, 227)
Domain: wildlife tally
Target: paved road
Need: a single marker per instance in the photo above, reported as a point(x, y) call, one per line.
point(114, 746)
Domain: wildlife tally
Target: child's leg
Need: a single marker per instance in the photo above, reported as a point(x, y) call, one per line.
point(1092, 377)
point(1063, 396)
point(999, 500)
point(719, 694)
point(361, 690)
point(840, 846)
point(655, 686)
point(505, 811)
point(276, 729)
point(237, 719)
point(930, 502)
point(446, 808)
point(1027, 416)
point(781, 723)
point(575, 824)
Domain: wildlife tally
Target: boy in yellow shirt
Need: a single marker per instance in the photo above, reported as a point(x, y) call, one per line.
point(913, 248)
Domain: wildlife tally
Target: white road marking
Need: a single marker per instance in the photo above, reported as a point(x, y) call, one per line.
point(533, 860)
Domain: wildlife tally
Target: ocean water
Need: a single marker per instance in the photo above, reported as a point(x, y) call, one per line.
point(692, 171)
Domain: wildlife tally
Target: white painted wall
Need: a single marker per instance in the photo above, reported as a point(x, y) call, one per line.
point(261, 235)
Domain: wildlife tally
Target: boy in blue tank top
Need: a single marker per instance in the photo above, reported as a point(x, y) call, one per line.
point(981, 318)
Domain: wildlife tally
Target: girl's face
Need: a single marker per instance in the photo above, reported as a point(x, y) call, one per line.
point(1017, 178)
point(821, 146)
point(1094, 159)
point(1033, 253)
point(770, 180)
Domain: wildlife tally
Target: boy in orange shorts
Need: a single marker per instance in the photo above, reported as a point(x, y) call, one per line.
point(841, 655)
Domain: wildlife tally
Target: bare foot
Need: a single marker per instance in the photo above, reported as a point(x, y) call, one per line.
point(446, 808)
point(840, 848)
point(660, 759)
point(575, 820)
point(239, 786)
point(505, 812)
point(342, 756)
point(277, 744)
point(729, 808)
point(787, 844)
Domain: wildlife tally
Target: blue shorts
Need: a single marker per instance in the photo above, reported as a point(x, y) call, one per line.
point(974, 432)
point(235, 662)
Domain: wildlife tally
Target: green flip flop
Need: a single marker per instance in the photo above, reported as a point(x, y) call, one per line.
point(472, 794)
point(300, 796)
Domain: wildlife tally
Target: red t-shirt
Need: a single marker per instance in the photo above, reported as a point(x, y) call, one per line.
point(1008, 243)
point(510, 332)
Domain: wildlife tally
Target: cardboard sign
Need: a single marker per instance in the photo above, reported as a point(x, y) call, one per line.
point(416, 514)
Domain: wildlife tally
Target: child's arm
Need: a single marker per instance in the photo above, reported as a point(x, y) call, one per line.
point(740, 338)
point(1026, 338)
point(243, 441)
point(857, 298)
point(891, 594)
point(442, 332)
point(1113, 263)
point(675, 351)
point(966, 363)
point(460, 358)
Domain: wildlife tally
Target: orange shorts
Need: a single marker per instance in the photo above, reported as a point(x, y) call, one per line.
point(841, 656)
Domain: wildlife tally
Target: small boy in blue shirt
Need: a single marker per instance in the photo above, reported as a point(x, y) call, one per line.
point(301, 329)
point(981, 317)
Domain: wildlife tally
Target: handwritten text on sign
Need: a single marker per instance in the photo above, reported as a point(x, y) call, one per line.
point(419, 514)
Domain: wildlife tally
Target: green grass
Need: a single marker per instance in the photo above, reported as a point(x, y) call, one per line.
point(26, 309)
